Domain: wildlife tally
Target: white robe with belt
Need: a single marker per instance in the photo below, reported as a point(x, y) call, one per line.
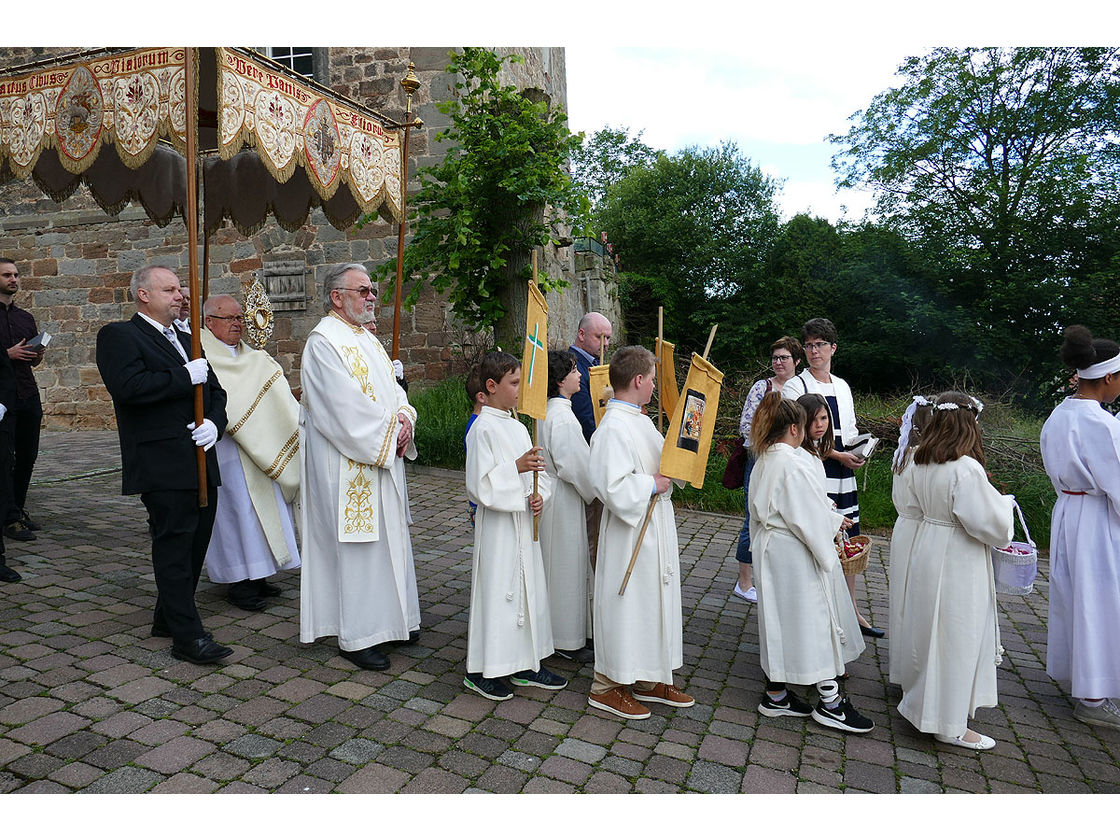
point(949, 643)
point(805, 632)
point(563, 530)
point(638, 635)
point(1081, 452)
point(358, 581)
point(509, 628)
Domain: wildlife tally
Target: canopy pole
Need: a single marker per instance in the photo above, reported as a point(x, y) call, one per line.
point(410, 84)
point(192, 253)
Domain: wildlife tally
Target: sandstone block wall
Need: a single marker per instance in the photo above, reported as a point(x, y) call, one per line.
point(75, 261)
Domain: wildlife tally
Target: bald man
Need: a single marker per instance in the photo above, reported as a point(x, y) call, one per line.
point(592, 339)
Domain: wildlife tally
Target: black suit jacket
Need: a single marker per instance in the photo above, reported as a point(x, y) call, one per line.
point(8, 395)
point(581, 399)
point(154, 401)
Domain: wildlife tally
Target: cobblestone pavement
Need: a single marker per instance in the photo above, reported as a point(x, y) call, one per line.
point(89, 702)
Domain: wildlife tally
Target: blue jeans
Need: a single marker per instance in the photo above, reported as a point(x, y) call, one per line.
point(743, 551)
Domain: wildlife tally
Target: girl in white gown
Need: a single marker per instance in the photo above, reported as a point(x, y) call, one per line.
point(802, 635)
point(1081, 453)
point(948, 643)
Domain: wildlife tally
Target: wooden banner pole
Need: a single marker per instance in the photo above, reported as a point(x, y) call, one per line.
point(711, 337)
point(410, 84)
point(660, 368)
point(536, 426)
point(190, 79)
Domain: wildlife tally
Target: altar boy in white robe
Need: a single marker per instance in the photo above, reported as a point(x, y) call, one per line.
point(356, 426)
point(509, 630)
point(638, 635)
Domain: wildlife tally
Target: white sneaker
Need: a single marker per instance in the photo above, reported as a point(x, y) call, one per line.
point(1106, 714)
point(750, 595)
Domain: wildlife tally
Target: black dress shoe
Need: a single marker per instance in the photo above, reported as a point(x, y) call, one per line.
point(28, 521)
point(413, 636)
point(201, 651)
point(18, 531)
point(584, 656)
point(268, 590)
point(250, 604)
point(872, 632)
point(371, 659)
point(9, 575)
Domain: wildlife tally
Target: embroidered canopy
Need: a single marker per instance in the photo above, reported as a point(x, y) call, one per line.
point(274, 142)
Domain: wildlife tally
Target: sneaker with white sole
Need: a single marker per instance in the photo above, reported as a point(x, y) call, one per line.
point(789, 706)
point(750, 596)
point(843, 717)
point(1107, 714)
point(491, 689)
point(539, 679)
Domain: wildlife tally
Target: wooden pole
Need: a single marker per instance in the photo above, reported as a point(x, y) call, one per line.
point(536, 426)
point(660, 368)
point(410, 84)
point(190, 78)
point(711, 337)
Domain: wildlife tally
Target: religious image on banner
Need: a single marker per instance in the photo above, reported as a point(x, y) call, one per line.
point(667, 378)
point(533, 396)
point(599, 384)
point(689, 439)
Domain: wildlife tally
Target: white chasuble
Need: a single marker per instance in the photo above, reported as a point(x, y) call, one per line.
point(567, 560)
point(638, 635)
point(509, 628)
point(358, 581)
point(806, 622)
point(948, 644)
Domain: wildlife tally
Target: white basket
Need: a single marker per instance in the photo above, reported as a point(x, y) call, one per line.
point(1015, 572)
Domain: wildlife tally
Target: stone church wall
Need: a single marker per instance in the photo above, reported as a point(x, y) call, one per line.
point(75, 261)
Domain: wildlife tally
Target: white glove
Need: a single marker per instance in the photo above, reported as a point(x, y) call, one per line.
point(3, 411)
point(398, 369)
point(197, 369)
point(206, 434)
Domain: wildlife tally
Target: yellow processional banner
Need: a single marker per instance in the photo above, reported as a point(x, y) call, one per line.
point(600, 385)
point(533, 397)
point(685, 454)
point(667, 378)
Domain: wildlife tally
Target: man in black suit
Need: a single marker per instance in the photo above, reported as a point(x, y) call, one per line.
point(8, 398)
point(146, 368)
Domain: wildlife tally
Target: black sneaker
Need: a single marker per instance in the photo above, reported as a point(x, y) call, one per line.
point(540, 679)
point(790, 706)
point(495, 689)
point(843, 717)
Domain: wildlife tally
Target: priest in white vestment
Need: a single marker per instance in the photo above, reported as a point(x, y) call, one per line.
point(254, 535)
point(356, 429)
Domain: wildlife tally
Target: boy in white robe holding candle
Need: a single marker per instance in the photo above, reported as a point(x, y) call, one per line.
point(563, 532)
point(638, 635)
point(510, 630)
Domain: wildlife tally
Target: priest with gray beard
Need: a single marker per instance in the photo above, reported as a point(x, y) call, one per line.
point(356, 429)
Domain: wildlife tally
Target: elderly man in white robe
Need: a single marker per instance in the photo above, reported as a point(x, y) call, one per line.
point(254, 536)
point(356, 429)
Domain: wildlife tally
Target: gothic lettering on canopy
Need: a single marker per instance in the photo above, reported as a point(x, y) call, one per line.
point(131, 99)
point(291, 124)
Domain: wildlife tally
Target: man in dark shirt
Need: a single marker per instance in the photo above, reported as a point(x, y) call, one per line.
point(25, 415)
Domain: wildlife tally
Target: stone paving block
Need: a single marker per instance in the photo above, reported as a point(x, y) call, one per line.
point(869, 777)
point(357, 751)
point(375, 778)
point(76, 774)
point(28, 709)
point(539, 785)
point(175, 755)
point(581, 751)
point(186, 783)
point(125, 780)
point(49, 728)
point(271, 773)
point(306, 784)
point(435, 780)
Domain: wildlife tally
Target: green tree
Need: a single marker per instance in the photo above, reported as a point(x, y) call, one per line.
point(501, 190)
point(999, 162)
point(692, 230)
point(603, 160)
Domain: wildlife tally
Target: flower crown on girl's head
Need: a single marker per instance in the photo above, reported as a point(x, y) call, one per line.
point(976, 406)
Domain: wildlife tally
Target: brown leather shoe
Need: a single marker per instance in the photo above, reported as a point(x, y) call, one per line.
point(665, 693)
point(618, 701)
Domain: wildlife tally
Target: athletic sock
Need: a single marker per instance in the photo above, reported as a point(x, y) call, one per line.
point(1093, 704)
point(829, 693)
